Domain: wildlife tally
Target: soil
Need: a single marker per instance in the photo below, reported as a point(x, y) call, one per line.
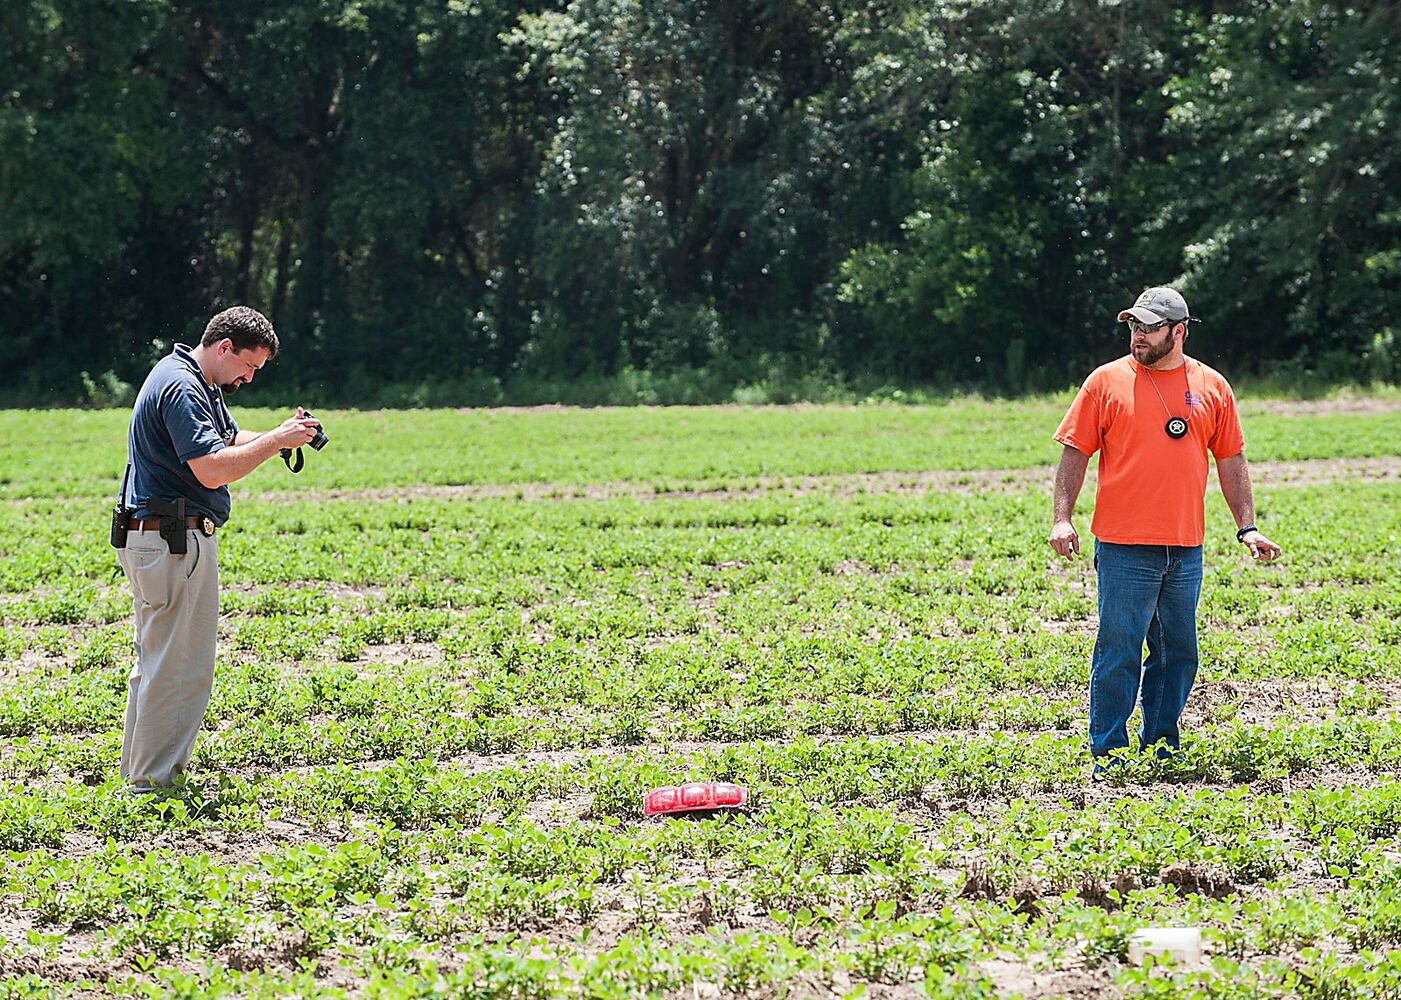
point(1013, 977)
point(1094, 892)
point(1204, 880)
point(1262, 701)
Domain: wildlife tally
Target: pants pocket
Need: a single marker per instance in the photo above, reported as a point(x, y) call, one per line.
point(143, 558)
point(192, 553)
point(149, 571)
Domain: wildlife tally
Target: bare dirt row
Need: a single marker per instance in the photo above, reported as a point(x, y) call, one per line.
point(1308, 472)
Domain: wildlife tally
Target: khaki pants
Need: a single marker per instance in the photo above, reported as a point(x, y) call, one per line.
point(177, 623)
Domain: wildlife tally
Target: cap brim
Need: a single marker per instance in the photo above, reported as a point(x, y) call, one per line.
point(1141, 314)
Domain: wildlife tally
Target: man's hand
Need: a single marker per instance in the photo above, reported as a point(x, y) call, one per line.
point(1070, 476)
point(1064, 539)
point(1235, 487)
point(1261, 548)
point(295, 432)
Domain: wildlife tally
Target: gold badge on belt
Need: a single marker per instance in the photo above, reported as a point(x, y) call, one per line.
point(206, 527)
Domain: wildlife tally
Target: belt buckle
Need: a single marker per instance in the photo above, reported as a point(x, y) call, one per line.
point(206, 527)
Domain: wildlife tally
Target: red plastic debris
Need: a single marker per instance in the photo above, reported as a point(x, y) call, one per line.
point(695, 797)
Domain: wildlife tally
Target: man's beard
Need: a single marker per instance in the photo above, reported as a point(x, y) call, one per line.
point(1152, 355)
point(231, 387)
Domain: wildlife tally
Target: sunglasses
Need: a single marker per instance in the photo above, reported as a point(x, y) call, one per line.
point(1137, 326)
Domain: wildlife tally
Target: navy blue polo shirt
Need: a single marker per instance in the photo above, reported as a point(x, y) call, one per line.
point(178, 416)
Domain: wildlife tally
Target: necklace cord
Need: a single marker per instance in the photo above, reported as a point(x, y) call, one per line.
point(1154, 383)
point(1174, 431)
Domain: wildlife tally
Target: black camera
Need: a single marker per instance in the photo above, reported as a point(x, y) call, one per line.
point(318, 442)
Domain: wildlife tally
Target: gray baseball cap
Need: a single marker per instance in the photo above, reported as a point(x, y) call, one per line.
point(1157, 304)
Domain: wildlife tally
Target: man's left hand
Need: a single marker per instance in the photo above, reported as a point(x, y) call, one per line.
point(1261, 548)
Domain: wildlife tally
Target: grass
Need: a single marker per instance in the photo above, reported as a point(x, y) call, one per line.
point(436, 713)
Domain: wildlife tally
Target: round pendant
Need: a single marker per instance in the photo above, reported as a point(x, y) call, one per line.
point(1176, 428)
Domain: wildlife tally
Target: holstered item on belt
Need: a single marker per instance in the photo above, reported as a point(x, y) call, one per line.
point(172, 517)
point(120, 513)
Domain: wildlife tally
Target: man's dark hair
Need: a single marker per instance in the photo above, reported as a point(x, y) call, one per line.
point(247, 328)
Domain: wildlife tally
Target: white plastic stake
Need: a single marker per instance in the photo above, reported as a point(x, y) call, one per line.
point(1184, 944)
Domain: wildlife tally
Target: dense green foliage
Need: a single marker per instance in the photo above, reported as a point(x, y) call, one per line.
point(437, 708)
point(470, 200)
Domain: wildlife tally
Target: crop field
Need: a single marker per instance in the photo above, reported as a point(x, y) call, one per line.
point(457, 650)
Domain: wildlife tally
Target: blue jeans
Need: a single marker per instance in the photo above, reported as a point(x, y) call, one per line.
point(1146, 592)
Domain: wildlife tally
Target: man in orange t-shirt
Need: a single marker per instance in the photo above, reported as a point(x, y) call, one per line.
point(1152, 416)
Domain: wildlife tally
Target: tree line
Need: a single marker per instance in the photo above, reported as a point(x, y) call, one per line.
point(476, 200)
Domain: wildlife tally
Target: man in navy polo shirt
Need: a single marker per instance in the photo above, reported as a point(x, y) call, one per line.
point(184, 445)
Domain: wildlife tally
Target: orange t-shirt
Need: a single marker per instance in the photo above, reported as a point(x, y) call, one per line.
point(1151, 487)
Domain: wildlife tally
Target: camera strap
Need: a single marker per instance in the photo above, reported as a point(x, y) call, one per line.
point(286, 454)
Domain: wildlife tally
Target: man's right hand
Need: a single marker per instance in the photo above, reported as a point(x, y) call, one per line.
point(233, 463)
point(1064, 539)
point(294, 432)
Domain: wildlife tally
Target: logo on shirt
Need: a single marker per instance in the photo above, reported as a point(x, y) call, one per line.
point(1193, 399)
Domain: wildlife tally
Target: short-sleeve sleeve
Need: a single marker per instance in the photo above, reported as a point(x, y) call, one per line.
point(189, 417)
point(1228, 440)
point(1081, 428)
